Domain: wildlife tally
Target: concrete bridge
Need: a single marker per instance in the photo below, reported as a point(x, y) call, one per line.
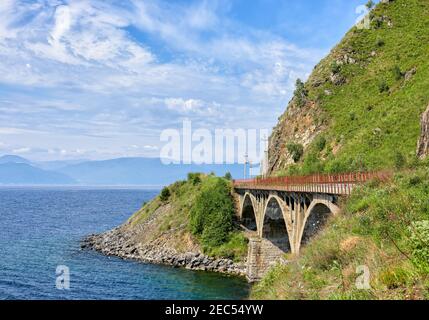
point(282, 214)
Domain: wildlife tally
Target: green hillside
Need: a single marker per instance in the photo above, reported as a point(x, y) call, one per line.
point(365, 98)
point(196, 214)
point(360, 110)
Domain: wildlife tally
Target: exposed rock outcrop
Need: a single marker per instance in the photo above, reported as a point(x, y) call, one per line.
point(297, 125)
point(423, 144)
point(120, 243)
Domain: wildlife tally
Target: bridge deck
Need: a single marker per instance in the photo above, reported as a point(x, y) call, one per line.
point(341, 184)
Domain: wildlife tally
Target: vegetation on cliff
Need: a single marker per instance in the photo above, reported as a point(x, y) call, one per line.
point(362, 110)
point(383, 230)
point(198, 213)
point(363, 101)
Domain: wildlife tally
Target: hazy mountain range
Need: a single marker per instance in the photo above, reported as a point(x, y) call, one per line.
point(15, 170)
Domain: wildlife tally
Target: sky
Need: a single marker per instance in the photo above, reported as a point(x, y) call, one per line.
point(94, 79)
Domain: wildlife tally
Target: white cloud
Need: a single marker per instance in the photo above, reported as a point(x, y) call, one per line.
point(89, 76)
point(21, 150)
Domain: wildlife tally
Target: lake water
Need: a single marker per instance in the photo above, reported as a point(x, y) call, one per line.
point(41, 228)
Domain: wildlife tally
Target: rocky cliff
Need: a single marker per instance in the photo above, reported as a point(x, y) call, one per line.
point(361, 106)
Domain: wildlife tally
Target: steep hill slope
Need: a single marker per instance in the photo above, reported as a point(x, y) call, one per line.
point(360, 108)
point(363, 109)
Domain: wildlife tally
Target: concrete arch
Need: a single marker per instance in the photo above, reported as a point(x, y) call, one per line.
point(320, 209)
point(287, 213)
point(253, 202)
point(280, 241)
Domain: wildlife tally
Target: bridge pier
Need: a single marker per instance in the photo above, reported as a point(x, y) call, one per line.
point(284, 221)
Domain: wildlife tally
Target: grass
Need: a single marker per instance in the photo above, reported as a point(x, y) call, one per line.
point(376, 113)
point(378, 229)
point(209, 198)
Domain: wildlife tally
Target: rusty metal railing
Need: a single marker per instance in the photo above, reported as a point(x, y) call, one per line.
point(329, 184)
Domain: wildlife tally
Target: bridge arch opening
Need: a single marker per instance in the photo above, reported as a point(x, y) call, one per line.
point(317, 219)
point(274, 226)
point(248, 216)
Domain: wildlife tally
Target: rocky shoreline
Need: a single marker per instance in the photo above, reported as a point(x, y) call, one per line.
point(119, 243)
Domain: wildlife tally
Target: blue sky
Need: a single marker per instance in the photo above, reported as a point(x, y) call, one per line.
point(102, 79)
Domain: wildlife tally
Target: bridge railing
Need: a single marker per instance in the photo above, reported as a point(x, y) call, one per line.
point(329, 183)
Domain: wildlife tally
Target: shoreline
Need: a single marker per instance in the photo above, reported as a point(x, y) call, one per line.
point(118, 243)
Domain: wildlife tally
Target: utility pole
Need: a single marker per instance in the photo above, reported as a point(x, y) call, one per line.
point(246, 159)
point(264, 167)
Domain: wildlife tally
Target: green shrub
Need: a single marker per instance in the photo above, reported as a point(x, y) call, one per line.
point(235, 248)
point(295, 150)
point(379, 42)
point(228, 176)
point(383, 86)
point(194, 178)
point(211, 217)
point(370, 4)
point(320, 143)
point(165, 194)
point(395, 277)
point(419, 242)
point(397, 73)
point(335, 67)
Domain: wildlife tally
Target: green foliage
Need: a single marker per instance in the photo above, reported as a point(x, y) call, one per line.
point(335, 67)
point(295, 150)
point(397, 73)
point(383, 86)
point(355, 109)
point(300, 93)
point(234, 248)
point(385, 226)
point(165, 194)
point(380, 42)
point(400, 160)
point(194, 178)
point(370, 4)
point(320, 143)
point(228, 176)
point(211, 217)
point(419, 242)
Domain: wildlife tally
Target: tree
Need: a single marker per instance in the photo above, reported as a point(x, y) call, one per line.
point(211, 217)
point(296, 151)
point(370, 4)
point(228, 176)
point(300, 93)
point(165, 194)
point(194, 178)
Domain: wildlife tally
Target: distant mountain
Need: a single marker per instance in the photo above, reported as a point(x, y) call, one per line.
point(25, 174)
point(121, 171)
point(140, 171)
point(57, 164)
point(13, 159)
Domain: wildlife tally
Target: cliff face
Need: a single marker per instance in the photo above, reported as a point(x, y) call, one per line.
point(423, 145)
point(298, 125)
point(361, 105)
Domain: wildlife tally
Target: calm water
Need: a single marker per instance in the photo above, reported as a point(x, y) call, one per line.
point(41, 229)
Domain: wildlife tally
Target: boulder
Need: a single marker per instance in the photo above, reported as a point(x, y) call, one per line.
point(423, 144)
